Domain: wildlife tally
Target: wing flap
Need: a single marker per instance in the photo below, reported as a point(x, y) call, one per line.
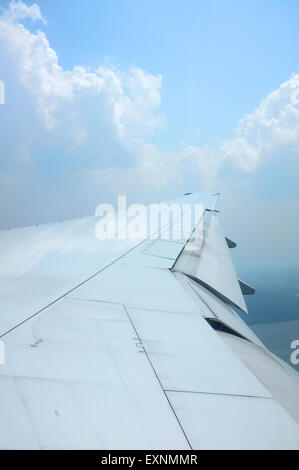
point(229, 422)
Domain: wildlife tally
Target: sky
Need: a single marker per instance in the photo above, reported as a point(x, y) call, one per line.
point(152, 100)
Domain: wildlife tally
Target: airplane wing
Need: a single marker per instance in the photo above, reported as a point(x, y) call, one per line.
point(135, 344)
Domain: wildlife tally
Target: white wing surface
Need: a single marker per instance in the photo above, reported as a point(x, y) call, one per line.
point(127, 344)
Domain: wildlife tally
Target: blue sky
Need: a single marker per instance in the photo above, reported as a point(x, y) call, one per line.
point(218, 58)
point(153, 99)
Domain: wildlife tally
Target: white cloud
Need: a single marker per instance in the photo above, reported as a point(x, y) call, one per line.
point(19, 11)
point(94, 125)
point(245, 155)
point(273, 125)
point(95, 111)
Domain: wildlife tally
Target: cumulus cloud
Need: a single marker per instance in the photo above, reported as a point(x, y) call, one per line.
point(131, 97)
point(75, 121)
point(19, 11)
point(81, 136)
point(273, 125)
